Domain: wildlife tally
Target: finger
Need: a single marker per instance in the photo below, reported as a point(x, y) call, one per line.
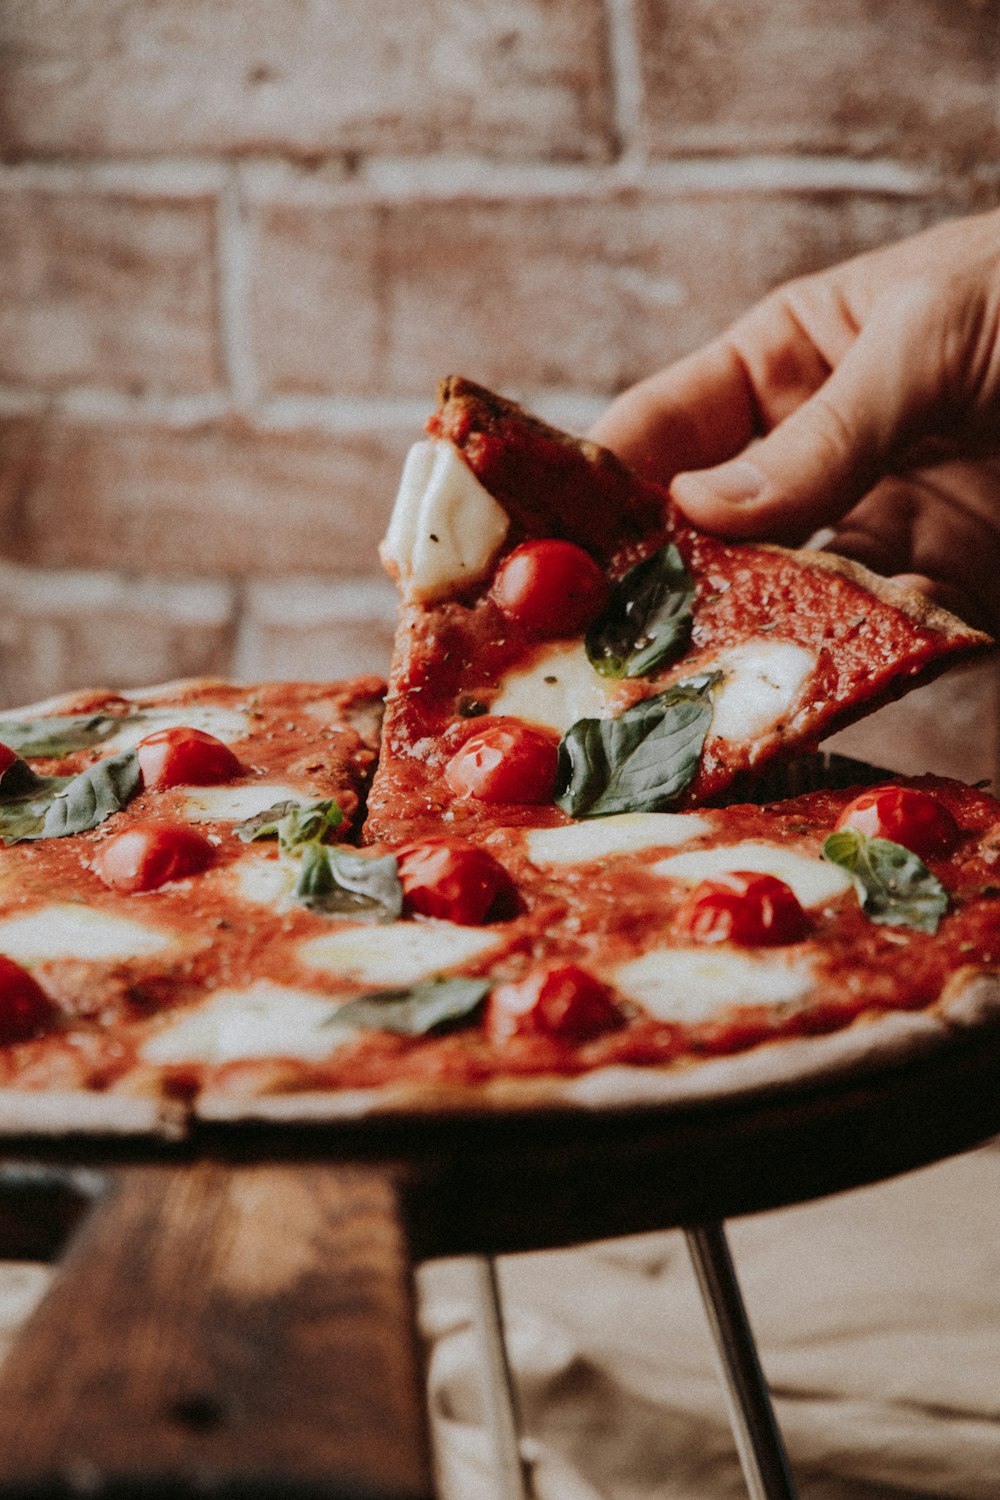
point(696, 413)
point(816, 464)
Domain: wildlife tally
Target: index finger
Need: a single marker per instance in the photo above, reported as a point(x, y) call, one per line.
point(692, 415)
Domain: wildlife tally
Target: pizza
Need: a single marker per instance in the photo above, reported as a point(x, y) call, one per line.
point(564, 874)
point(561, 623)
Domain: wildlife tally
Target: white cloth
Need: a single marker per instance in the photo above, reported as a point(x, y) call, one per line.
point(877, 1315)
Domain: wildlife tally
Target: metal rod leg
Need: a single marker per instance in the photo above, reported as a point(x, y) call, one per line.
point(751, 1415)
point(499, 1391)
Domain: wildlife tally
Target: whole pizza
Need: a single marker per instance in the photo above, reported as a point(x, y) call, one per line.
point(566, 869)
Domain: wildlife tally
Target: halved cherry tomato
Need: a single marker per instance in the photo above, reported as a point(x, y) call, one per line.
point(507, 762)
point(184, 757)
point(906, 816)
point(743, 907)
point(550, 588)
point(25, 1008)
point(560, 1000)
point(451, 879)
point(7, 758)
point(147, 855)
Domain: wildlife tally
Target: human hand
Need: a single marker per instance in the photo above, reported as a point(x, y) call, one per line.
point(866, 399)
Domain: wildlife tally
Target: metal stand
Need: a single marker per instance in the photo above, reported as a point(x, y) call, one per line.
point(499, 1391)
point(751, 1415)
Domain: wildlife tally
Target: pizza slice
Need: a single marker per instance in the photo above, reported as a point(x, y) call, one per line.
point(570, 647)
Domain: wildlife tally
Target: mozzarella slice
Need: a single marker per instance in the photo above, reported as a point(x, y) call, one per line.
point(814, 880)
point(763, 683)
point(232, 804)
point(625, 833)
point(268, 882)
point(558, 689)
point(689, 985)
point(264, 1020)
point(226, 724)
point(68, 930)
point(399, 953)
point(445, 527)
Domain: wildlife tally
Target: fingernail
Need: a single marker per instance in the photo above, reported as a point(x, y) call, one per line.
point(737, 483)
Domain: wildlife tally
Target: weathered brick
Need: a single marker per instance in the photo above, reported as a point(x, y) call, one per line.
point(589, 291)
point(742, 76)
point(312, 629)
point(307, 77)
point(223, 497)
point(950, 727)
point(63, 630)
point(114, 290)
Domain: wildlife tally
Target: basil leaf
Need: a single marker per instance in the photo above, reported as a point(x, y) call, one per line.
point(640, 762)
point(341, 883)
point(50, 807)
point(424, 1007)
point(86, 800)
point(648, 620)
point(292, 823)
point(60, 734)
point(894, 885)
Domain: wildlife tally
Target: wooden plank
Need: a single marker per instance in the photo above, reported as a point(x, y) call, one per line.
point(220, 1325)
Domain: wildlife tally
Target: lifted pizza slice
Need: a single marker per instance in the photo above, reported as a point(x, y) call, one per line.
point(570, 647)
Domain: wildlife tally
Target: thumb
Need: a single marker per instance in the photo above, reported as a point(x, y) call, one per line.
point(817, 463)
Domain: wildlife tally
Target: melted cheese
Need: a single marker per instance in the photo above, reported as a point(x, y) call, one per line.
point(264, 1020)
point(763, 683)
point(561, 687)
point(68, 930)
point(398, 953)
point(625, 833)
point(814, 880)
point(690, 985)
point(226, 724)
point(445, 527)
point(232, 804)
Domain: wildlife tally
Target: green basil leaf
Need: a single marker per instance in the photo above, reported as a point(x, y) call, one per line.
point(60, 734)
point(344, 884)
point(292, 823)
point(50, 807)
point(86, 800)
point(640, 762)
point(894, 885)
point(425, 1007)
point(648, 620)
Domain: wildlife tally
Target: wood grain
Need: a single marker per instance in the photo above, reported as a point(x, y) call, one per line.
point(224, 1325)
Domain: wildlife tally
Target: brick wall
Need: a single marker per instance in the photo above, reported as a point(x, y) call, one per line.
point(241, 239)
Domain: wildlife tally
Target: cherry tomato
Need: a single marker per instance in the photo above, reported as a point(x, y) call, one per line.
point(7, 758)
point(743, 907)
point(147, 855)
point(550, 588)
point(184, 757)
point(905, 815)
point(508, 762)
point(451, 879)
point(560, 1000)
point(25, 1008)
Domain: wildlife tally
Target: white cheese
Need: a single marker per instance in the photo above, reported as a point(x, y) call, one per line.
point(689, 985)
point(625, 833)
point(814, 881)
point(67, 930)
point(268, 882)
point(264, 1020)
point(398, 953)
point(225, 724)
point(445, 527)
point(234, 803)
point(561, 687)
point(763, 683)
